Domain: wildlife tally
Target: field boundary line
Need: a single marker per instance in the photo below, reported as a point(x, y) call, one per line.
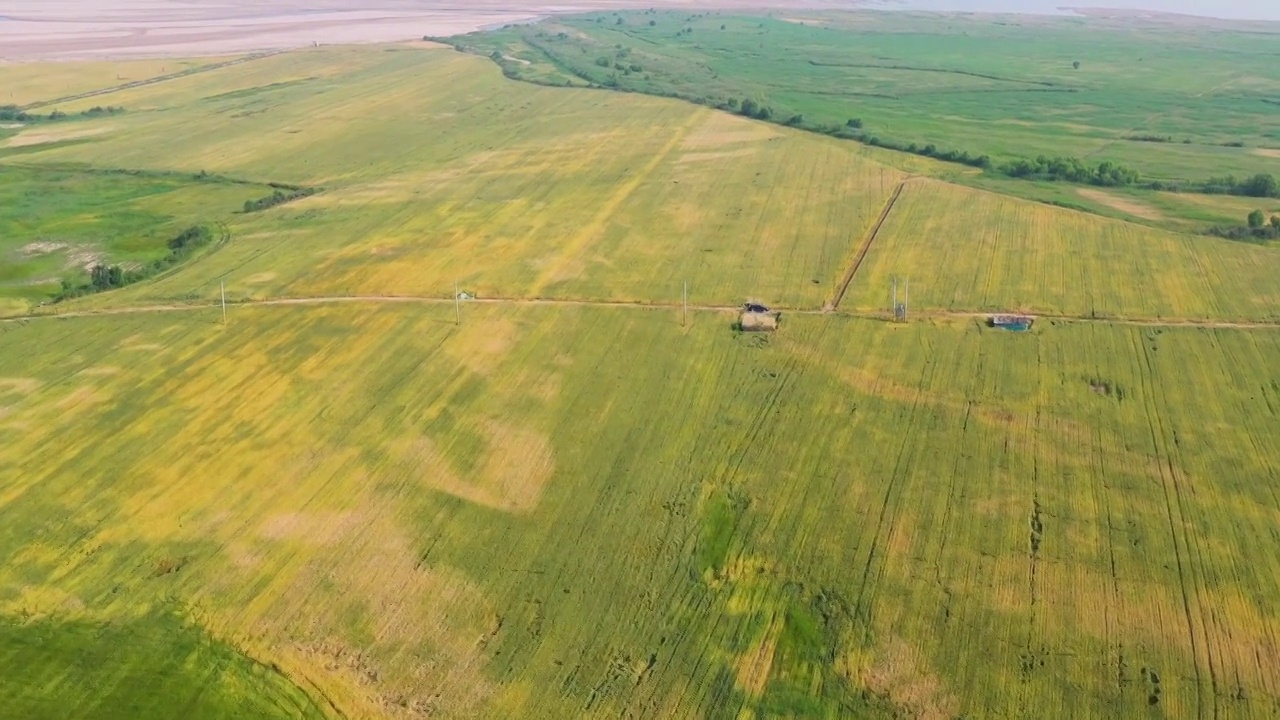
point(865, 247)
point(633, 305)
point(154, 80)
point(376, 299)
point(1238, 324)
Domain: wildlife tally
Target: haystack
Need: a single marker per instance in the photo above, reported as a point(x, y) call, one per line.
point(759, 321)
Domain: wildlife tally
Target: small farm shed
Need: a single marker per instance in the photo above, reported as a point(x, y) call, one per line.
point(1016, 323)
point(758, 318)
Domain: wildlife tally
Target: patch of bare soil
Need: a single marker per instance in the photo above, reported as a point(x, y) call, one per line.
point(902, 675)
point(84, 259)
point(517, 465)
point(1123, 204)
point(41, 248)
point(18, 386)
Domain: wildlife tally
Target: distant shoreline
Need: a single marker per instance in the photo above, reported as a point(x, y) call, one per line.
point(30, 31)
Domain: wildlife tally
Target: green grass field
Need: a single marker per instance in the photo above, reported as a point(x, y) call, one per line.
point(1006, 87)
point(579, 501)
point(136, 668)
point(57, 222)
point(1182, 212)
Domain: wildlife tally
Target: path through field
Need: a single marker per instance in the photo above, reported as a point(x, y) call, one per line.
point(149, 81)
point(1242, 324)
point(843, 287)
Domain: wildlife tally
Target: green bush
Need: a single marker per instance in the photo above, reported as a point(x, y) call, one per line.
point(109, 277)
point(277, 197)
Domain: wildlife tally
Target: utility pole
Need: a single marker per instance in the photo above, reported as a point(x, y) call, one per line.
point(223, 284)
point(457, 305)
point(684, 312)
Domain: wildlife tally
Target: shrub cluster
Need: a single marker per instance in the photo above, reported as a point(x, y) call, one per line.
point(1262, 185)
point(98, 110)
point(108, 277)
point(1106, 173)
point(930, 150)
point(13, 113)
point(281, 195)
point(753, 109)
point(1256, 229)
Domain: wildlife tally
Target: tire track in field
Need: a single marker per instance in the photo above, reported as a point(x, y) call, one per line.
point(1102, 498)
point(583, 238)
point(886, 522)
point(1036, 538)
point(154, 80)
point(843, 287)
point(1172, 498)
point(1191, 541)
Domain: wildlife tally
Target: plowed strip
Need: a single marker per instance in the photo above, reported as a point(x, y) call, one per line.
point(862, 252)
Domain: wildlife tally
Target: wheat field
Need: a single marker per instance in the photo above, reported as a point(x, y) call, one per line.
point(569, 499)
point(966, 249)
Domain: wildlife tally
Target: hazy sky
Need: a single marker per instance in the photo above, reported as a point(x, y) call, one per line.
point(1236, 9)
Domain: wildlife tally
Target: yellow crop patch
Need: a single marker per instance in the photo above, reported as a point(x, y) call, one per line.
point(568, 495)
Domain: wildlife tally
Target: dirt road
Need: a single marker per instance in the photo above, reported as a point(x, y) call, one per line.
point(926, 315)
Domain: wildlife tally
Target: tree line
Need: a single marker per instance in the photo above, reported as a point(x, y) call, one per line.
point(1069, 169)
point(1042, 168)
point(13, 113)
point(1262, 185)
point(279, 196)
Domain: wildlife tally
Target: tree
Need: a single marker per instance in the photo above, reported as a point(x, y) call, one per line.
point(854, 123)
point(1262, 185)
point(652, 23)
point(1275, 222)
point(1076, 65)
point(1256, 219)
point(102, 277)
point(749, 107)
